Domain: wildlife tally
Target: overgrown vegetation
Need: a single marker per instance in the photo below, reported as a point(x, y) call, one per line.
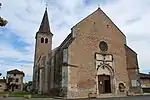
point(3, 22)
point(28, 86)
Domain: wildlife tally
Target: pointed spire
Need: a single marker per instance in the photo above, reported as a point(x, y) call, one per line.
point(44, 27)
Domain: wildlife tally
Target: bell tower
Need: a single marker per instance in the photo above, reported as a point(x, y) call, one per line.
point(43, 44)
point(43, 38)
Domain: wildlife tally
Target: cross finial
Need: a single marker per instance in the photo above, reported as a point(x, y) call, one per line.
point(98, 6)
point(46, 4)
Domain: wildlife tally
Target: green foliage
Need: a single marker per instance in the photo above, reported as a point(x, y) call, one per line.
point(55, 91)
point(0, 5)
point(16, 94)
point(28, 86)
point(2, 21)
point(41, 96)
point(3, 92)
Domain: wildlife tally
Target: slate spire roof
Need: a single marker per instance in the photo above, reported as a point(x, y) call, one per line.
point(45, 27)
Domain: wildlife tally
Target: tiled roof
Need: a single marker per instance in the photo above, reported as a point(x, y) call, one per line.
point(15, 71)
point(144, 76)
point(67, 41)
point(130, 49)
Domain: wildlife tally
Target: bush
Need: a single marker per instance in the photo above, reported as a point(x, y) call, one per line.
point(6, 90)
point(35, 91)
point(2, 22)
point(32, 91)
point(54, 92)
point(63, 91)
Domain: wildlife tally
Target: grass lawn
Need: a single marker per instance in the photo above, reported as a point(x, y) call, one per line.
point(40, 96)
point(15, 94)
point(21, 94)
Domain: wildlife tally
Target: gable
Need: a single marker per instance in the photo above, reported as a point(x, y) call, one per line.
point(103, 18)
point(15, 71)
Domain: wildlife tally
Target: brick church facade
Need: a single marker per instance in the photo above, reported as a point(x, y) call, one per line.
point(94, 59)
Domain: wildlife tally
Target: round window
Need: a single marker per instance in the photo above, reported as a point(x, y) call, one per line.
point(103, 46)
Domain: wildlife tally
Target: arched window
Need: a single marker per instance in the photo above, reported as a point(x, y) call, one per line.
point(42, 40)
point(46, 40)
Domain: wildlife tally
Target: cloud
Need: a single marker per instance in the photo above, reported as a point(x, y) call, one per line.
point(132, 17)
point(24, 18)
point(130, 21)
point(27, 69)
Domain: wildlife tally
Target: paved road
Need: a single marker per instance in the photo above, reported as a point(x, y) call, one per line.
point(123, 98)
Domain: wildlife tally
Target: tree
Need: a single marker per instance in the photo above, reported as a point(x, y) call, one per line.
point(0, 5)
point(3, 22)
point(8, 83)
point(28, 86)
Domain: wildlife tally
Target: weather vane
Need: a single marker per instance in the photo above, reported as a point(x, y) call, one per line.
point(46, 4)
point(98, 5)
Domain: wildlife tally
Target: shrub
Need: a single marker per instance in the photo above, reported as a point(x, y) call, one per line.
point(54, 92)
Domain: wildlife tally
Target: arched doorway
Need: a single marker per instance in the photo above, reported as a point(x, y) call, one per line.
point(104, 84)
point(104, 79)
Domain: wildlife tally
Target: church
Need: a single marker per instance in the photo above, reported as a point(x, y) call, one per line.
point(93, 60)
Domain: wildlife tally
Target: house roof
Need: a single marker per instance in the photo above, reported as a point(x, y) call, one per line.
point(130, 49)
point(15, 71)
point(67, 41)
point(144, 76)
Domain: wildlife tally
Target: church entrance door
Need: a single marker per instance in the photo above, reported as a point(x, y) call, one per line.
point(104, 85)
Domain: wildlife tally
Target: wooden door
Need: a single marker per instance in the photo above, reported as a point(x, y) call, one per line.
point(104, 85)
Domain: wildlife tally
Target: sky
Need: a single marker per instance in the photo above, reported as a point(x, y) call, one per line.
point(17, 38)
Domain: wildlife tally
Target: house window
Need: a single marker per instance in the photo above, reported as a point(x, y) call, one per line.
point(46, 40)
point(14, 74)
point(42, 40)
point(10, 79)
point(16, 86)
point(134, 83)
point(17, 80)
